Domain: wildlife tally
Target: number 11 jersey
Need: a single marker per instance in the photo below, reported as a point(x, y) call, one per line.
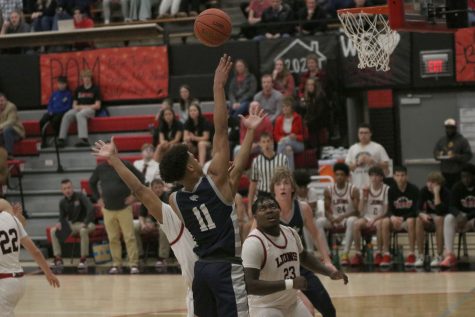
point(210, 219)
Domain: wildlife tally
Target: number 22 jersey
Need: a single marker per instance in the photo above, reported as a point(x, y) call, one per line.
point(277, 258)
point(11, 232)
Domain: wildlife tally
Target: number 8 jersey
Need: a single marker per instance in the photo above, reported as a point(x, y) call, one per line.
point(11, 232)
point(210, 219)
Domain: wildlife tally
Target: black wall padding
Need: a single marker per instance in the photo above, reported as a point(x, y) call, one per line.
point(196, 59)
point(427, 42)
point(20, 80)
point(383, 126)
point(201, 86)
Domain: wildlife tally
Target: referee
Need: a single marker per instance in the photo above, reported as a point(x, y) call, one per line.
point(263, 167)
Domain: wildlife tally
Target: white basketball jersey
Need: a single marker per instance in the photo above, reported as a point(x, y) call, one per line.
point(11, 232)
point(181, 242)
point(341, 199)
point(377, 199)
point(279, 257)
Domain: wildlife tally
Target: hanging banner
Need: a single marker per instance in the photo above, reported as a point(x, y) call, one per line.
point(465, 54)
point(398, 75)
point(121, 73)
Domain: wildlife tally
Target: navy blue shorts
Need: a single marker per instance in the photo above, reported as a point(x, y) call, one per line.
point(317, 294)
point(219, 290)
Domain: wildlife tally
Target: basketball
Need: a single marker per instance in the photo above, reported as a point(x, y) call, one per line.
point(213, 27)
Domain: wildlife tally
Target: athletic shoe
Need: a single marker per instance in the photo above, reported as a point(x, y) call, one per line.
point(82, 263)
point(410, 260)
point(356, 260)
point(134, 270)
point(449, 261)
point(114, 270)
point(419, 261)
point(345, 260)
point(82, 143)
point(378, 258)
point(436, 261)
point(160, 263)
point(387, 260)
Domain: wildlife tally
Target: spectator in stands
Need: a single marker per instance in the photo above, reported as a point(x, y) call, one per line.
point(433, 207)
point(263, 167)
point(197, 133)
point(168, 8)
point(453, 151)
point(86, 102)
point(462, 212)
point(289, 132)
point(314, 109)
point(185, 100)
point(65, 10)
point(124, 5)
point(264, 127)
point(233, 133)
point(15, 24)
point(11, 128)
point(170, 132)
point(269, 98)
point(116, 201)
point(43, 15)
point(253, 11)
point(81, 20)
point(192, 7)
point(312, 18)
point(141, 9)
point(277, 12)
point(313, 71)
point(8, 6)
point(149, 167)
point(148, 225)
point(59, 103)
point(76, 217)
point(282, 79)
point(242, 87)
point(365, 154)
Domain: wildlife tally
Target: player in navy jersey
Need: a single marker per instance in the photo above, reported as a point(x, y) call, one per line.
point(298, 215)
point(206, 204)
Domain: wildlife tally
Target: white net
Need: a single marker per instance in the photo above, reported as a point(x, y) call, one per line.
point(372, 36)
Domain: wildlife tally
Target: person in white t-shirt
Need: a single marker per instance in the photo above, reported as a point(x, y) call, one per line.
point(12, 283)
point(365, 154)
point(271, 255)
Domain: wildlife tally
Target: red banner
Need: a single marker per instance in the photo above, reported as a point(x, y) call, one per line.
point(465, 54)
point(121, 73)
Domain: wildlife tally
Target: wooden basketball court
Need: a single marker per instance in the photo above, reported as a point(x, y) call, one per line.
point(441, 294)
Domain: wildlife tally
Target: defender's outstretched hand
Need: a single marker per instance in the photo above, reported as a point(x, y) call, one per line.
point(256, 115)
point(339, 275)
point(222, 71)
point(105, 150)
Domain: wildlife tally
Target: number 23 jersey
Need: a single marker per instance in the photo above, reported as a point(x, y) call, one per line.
point(277, 258)
point(11, 232)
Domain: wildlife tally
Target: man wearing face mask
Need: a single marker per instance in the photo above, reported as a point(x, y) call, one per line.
point(453, 151)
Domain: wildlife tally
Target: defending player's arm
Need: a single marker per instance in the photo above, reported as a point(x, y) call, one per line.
point(39, 258)
point(313, 230)
point(310, 262)
point(219, 164)
point(142, 192)
point(256, 114)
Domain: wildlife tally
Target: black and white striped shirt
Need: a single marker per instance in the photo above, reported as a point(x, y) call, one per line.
point(263, 169)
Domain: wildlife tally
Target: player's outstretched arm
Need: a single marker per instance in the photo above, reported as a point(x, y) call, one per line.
point(219, 164)
point(255, 286)
point(39, 258)
point(256, 114)
point(139, 190)
point(310, 262)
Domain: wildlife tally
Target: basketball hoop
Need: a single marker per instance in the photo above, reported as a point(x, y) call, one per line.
point(370, 32)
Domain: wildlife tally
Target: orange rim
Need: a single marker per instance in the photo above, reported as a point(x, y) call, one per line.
point(366, 10)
